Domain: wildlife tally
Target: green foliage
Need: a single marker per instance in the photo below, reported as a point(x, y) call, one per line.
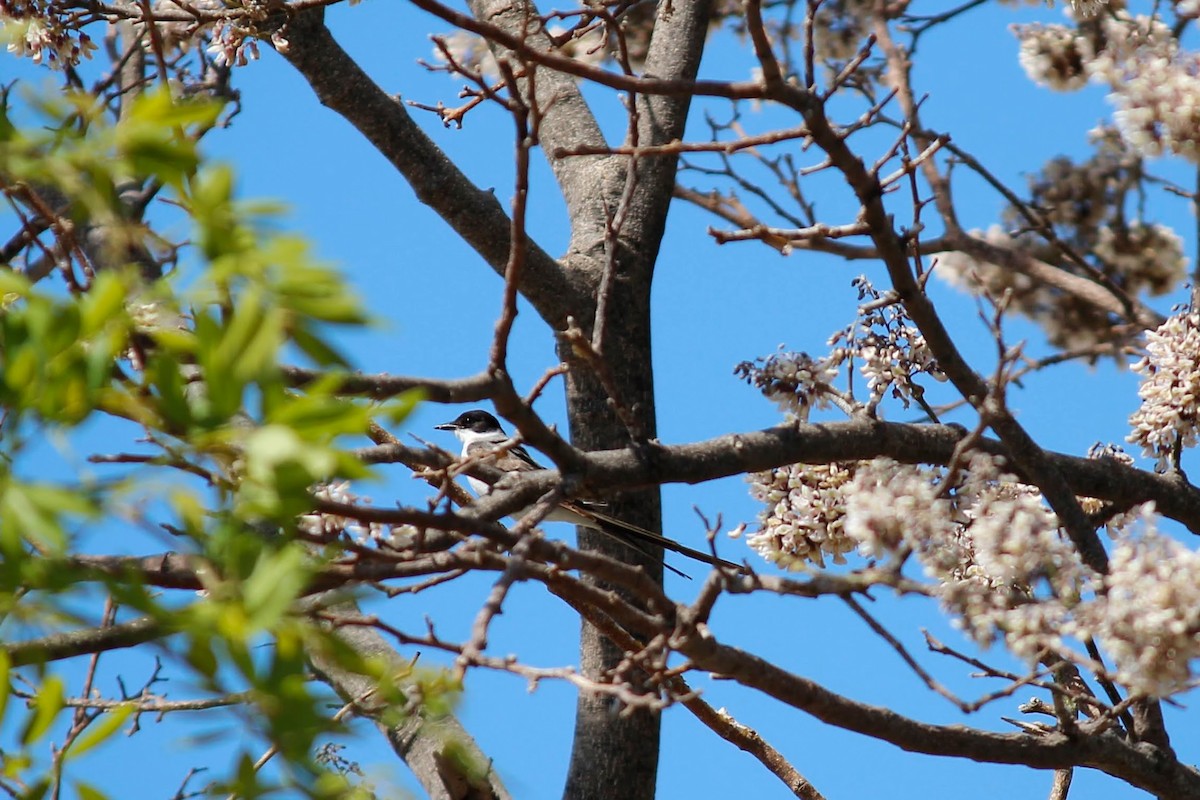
point(192, 360)
point(59, 354)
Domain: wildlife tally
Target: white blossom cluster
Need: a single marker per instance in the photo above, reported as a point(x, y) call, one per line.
point(334, 526)
point(1054, 56)
point(991, 544)
point(44, 32)
point(1166, 420)
point(1079, 8)
point(889, 347)
point(891, 507)
point(796, 382)
point(802, 522)
point(236, 44)
point(1087, 204)
point(1152, 80)
point(1067, 321)
point(1158, 110)
point(176, 36)
point(1149, 618)
point(231, 46)
point(1000, 563)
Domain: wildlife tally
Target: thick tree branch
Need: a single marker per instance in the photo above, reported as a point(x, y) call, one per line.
point(1144, 766)
point(439, 751)
point(754, 451)
point(564, 117)
point(58, 646)
point(474, 213)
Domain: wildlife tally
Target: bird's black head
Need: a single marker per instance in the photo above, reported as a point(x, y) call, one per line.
point(476, 420)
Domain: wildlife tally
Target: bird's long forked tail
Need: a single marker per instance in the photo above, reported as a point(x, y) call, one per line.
point(633, 534)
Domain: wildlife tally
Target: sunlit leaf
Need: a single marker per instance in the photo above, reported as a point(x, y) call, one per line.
point(46, 705)
point(101, 730)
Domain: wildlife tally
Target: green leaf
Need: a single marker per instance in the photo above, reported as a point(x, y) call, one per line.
point(399, 408)
point(200, 654)
point(99, 732)
point(5, 687)
point(277, 580)
point(8, 131)
point(153, 138)
point(213, 212)
point(46, 705)
point(320, 418)
point(23, 517)
point(88, 792)
point(321, 352)
point(104, 302)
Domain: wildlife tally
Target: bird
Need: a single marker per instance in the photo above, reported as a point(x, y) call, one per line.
point(483, 438)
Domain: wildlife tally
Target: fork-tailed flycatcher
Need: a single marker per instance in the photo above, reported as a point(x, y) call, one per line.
point(484, 439)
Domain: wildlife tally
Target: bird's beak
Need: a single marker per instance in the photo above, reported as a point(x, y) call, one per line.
point(446, 426)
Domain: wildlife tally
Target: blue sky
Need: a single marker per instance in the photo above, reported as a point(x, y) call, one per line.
point(714, 306)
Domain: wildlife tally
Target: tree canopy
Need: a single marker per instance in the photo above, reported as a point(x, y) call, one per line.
point(226, 520)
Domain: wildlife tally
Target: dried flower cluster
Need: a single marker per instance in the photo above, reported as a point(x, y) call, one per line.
point(796, 382)
point(1165, 423)
point(892, 351)
point(1000, 563)
point(840, 28)
point(1085, 203)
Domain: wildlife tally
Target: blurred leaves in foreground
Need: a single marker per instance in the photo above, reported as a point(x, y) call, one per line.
point(213, 453)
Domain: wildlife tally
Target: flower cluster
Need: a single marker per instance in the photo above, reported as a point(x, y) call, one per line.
point(231, 46)
point(991, 544)
point(42, 32)
point(1054, 56)
point(1166, 420)
point(332, 526)
point(890, 347)
point(1148, 257)
point(1149, 618)
point(1151, 78)
point(892, 507)
point(802, 522)
point(1153, 84)
point(1086, 203)
point(1000, 563)
point(891, 350)
point(795, 381)
point(1081, 9)
point(840, 28)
